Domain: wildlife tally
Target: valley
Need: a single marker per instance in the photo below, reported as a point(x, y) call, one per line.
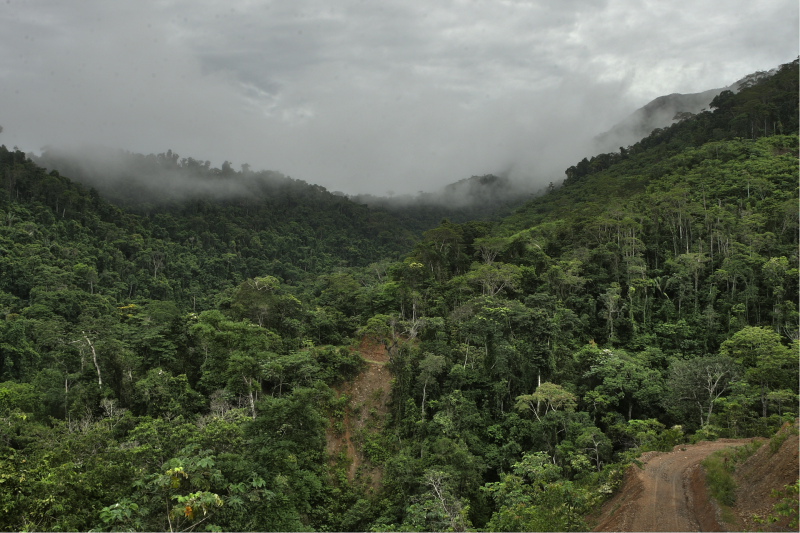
point(189, 348)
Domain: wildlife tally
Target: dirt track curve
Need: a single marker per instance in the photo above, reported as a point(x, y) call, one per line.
point(668, 494)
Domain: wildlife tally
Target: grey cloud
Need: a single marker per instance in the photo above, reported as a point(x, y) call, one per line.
point(366, 96)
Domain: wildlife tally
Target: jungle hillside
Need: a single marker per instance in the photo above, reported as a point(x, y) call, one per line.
point(184, 348)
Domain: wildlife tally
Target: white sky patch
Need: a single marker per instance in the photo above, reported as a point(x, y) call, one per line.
point(362, 96)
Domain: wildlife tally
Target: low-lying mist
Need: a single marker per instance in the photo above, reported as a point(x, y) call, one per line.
point(371, 144)
point(131, 178)
point(134, 179)
point(513, 150)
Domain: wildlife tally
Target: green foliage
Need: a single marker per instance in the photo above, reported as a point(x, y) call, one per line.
point(548, 397)
point(720, 482)
point(786, 509)
point(170, 362)
point(769, 365)
point(626, 381)
point(649, 434)
point(694, 386)
point(777, 440)
point(719, 469)
point(122, 516)
point(535, 498)
point(18, 397)
point(163, 395)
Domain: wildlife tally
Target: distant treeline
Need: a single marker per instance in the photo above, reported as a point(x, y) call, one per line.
point(764, 107)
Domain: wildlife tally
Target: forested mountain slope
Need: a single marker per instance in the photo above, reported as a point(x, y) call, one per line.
point(486, 197)
point(261, 222)
point(658, 113)
point(158, 372)
point(710, 241)
point(242, 202)
point(665, 110)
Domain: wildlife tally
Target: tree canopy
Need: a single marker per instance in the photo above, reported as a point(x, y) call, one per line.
point(183, 363)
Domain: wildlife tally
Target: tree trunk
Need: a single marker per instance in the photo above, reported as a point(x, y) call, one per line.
point(251, 396)
point(539, 384)
point(424, 391)
point(94, 359)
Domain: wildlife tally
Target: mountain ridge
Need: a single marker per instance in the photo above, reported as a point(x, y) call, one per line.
point(665, 110)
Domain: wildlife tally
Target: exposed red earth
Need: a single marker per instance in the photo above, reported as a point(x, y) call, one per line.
point(368, 394)
point(669, 493)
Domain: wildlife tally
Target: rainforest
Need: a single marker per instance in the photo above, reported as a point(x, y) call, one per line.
point(262, 354)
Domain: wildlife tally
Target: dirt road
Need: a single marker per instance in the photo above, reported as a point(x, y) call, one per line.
point(668, 494)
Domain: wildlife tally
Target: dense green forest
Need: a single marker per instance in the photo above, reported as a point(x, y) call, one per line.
point(176, 363)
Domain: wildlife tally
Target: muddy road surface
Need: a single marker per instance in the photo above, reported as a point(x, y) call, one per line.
point(667, 494)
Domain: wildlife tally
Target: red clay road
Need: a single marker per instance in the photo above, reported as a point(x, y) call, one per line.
point(668, 494)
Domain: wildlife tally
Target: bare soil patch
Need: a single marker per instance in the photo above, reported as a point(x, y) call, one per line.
point(667, 494)
point(368, 396)
point(757, 477)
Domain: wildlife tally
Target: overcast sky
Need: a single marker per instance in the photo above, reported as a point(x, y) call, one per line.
point(371, 95)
